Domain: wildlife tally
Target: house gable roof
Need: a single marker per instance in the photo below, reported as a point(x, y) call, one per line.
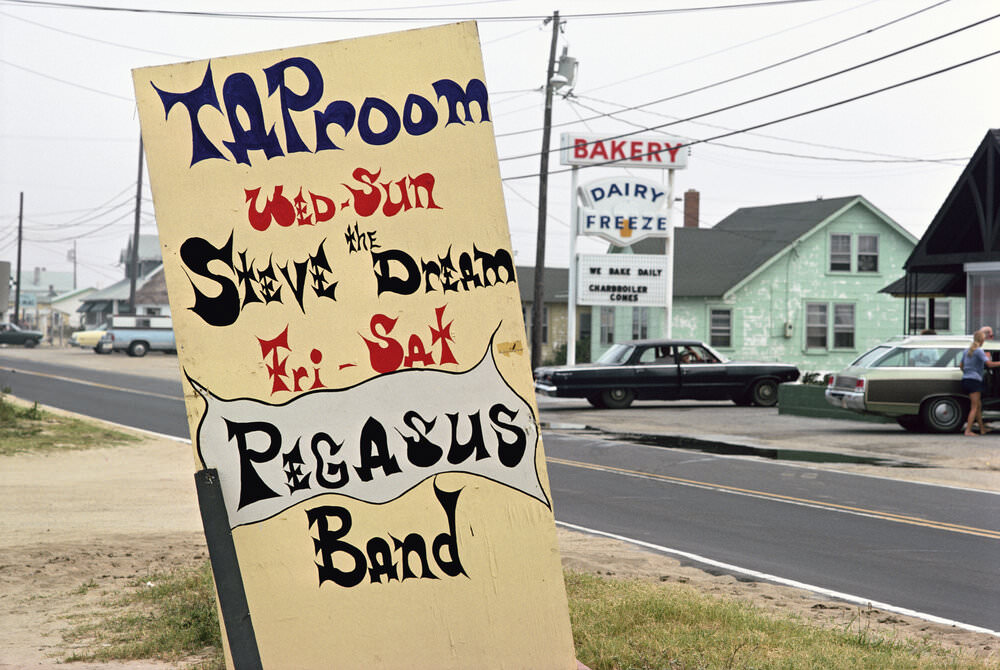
point(715, 261)
point(967, 227)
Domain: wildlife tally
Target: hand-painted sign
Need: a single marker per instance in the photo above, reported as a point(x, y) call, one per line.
point(623, 210)
point(653, 151)
point(622, 280)
point(350, 332)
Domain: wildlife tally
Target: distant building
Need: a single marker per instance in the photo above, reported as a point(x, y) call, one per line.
point(795, 282)
point(958, 258)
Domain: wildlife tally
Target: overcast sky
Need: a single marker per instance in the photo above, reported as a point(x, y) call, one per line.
point(69, 133)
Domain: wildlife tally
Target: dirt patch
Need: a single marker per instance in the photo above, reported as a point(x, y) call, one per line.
point(80, 525)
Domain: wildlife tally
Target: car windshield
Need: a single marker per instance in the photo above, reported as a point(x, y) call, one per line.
point(616, 355)
point(911, 357)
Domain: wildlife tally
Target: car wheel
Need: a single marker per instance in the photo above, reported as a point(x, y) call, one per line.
point(618, 398)
point(138, 349)
point(911, 423)
point(943, 415)
point(765, 393)
point(30, 343)
point(595, 401)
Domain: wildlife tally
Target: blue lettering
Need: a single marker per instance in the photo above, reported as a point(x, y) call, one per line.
point(291, 101)
point(252, 131)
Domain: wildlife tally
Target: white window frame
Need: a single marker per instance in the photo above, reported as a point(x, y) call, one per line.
point(868, 253)
point(841, 255)
point(607, 318)
point(840, 327)
point(818, 327)
point(640, 323)
point(726, 331)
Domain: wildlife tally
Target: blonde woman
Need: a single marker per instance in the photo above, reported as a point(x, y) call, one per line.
point(973, 365)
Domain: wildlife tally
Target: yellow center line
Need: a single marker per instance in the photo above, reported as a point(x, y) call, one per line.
point(888, 516)
point(94, 384)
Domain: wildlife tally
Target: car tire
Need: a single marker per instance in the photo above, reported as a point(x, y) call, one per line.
point(138, 349)
point(595, 401)
point(617, 398)
point(765, 393)
point(911, 423)
point(30, 343)
point(744, 400)
point(944, 414)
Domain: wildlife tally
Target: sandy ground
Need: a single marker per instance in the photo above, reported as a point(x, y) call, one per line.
point(80, 525)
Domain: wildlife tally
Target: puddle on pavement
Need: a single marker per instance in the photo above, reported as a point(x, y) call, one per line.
point(793, 455)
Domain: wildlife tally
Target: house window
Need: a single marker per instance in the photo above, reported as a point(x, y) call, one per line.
point(816, 325)
point(840, 253)
point(545, 324)
point(843, 326)
point(867, 253)
point(721, 328)
point(818, 331)
point(918, 316)
point(153, 311)
point(640, 323)
point(607, 325)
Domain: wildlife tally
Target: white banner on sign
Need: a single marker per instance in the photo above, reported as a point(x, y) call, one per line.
point(652, 151)
point(622, 280)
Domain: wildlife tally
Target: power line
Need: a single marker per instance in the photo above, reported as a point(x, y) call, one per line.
point(750, 73)
point(795, 87)
point(790, 117)
point(885, 158)
point(272, 16)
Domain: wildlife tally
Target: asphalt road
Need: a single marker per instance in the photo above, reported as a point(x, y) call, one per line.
point(930, 549)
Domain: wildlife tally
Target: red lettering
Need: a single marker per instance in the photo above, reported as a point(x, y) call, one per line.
point(384, 357)
point(278, 208)
point(654, 152)
point(276, 368)
point(417, 353)
point(617, 149)
point(579, 148)
point(598, 150)
point(636, 148)
point(323, 207)
point(673, 151)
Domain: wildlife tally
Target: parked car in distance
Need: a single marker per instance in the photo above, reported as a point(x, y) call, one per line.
point(665, 370)
point(914, 380)
point(137, 335)
point(12, 334)
point(88, 339)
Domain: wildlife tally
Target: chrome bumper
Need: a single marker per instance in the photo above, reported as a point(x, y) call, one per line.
point(846, 399)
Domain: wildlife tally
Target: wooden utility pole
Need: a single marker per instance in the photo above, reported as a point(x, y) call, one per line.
point(537, 306)
point(134, 261)
point(20, 235)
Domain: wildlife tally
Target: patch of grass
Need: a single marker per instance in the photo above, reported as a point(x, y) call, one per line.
point(170, 617)
point(617, 625)
point(636, 625)
point(24, 429)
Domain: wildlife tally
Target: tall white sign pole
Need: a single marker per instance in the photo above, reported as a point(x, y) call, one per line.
point(574, 229)
point(669, 250)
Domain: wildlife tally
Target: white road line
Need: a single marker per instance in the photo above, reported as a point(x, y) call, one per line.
point(858, 600)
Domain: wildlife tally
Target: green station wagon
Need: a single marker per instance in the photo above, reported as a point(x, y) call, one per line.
point(914, 380)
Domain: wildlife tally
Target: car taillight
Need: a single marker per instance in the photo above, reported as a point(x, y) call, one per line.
point(830, 380)
point(859, 386)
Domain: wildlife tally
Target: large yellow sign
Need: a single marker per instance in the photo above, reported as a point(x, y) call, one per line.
point(349, 328)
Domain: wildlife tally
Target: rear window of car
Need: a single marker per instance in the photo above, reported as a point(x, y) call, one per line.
point(911, 357)
point(616, 355)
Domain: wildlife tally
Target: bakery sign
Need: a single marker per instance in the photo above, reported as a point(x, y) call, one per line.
point(623, 210)
point(350, 334)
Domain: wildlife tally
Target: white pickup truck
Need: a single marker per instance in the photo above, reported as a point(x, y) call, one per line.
point(138, 334)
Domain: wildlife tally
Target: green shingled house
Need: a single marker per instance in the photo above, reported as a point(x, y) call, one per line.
point(796, 282)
